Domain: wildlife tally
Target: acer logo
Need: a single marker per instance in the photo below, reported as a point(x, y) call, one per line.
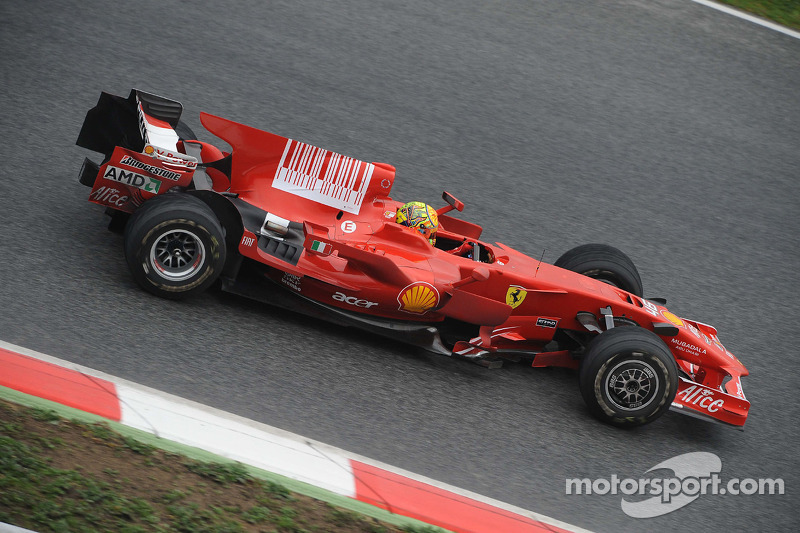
point(352, 300)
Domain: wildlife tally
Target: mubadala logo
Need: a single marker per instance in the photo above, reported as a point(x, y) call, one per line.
point(693, 474)
point(133, 179)
point(688, 347)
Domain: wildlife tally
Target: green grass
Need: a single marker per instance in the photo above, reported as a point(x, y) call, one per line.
point(59, 499)
point(785, 12)
point(59, 475)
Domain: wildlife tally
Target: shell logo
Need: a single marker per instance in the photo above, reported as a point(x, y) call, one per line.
point(672, 318)
point(418, 298)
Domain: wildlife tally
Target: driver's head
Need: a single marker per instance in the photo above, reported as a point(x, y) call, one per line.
point(420, 217)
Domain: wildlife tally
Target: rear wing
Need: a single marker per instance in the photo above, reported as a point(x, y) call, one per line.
point(138, 138)
point(134, 122)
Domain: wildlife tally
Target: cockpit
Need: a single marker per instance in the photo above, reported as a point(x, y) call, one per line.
point(464, 247)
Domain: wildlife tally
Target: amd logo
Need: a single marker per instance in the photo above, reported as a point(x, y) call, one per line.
point(139, 181)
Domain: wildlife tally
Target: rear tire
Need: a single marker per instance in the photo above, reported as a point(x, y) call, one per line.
point(604, 263)
point(628, 377)
point(175, 246)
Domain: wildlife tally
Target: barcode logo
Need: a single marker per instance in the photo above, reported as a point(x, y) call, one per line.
point(323, 176)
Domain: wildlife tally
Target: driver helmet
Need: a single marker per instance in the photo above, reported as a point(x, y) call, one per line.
point(421, 217)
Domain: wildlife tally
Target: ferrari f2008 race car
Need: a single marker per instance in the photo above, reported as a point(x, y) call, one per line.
point(310, 230)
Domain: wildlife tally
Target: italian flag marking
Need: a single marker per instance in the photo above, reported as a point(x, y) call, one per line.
point(321, 247)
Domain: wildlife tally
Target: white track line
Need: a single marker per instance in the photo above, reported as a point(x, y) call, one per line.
point(746, 16)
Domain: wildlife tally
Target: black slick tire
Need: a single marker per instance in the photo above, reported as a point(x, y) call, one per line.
point(605, 263)
point(174, 246)
point(628, 377)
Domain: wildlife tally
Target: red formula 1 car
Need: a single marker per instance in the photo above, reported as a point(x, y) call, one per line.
point(313, 231)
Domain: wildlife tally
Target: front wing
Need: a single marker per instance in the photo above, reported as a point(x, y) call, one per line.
point(710, 404)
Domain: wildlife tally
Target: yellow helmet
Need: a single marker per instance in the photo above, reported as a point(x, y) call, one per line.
point(421, 217)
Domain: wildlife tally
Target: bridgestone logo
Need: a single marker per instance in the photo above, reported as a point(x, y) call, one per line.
point(150, 169)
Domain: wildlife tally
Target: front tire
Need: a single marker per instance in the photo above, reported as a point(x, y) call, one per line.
point(628, 377)
point(604, 263)
point(175, 246)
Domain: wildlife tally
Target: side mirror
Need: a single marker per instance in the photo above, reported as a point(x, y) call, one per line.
point(478, 274)
point(453, 203)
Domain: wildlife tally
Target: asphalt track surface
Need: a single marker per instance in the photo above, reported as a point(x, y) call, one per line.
point(665, 128)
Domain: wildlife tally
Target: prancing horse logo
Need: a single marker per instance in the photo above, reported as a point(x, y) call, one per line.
point(515, 296)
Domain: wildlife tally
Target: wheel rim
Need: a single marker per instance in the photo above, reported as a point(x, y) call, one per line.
point(177, 255)
point(631, 385)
